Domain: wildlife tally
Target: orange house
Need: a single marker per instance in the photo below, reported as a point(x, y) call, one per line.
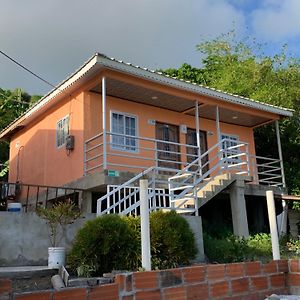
point(110, 124)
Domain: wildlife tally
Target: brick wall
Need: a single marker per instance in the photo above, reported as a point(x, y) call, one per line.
point(245, 281)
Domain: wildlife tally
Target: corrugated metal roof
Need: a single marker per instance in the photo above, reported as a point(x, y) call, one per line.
point(100, 60)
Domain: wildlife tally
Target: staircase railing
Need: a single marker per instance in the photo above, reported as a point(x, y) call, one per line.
point(225, 156)
point(124, 199)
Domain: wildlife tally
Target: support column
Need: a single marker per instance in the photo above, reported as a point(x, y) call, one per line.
point(280, 152)
point(145, 225)
point(104, 122)
point(283, 225)
point(218, 123)
point(273, 225)
point(238, 209)
point(198, 134)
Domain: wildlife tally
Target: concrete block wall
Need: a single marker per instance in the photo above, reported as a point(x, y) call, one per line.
point(244, 281)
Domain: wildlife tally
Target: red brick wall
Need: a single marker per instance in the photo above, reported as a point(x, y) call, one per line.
point(249, 280)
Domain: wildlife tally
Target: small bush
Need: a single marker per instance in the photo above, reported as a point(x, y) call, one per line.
point(102, 245)
point(112, 242)
point(256, 247)
point(172, 241)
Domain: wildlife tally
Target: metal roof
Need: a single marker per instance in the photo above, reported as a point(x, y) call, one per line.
point(99, 61)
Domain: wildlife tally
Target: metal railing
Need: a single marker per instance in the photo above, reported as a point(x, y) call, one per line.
point(185, 185)
point(132, 152)
point(179, 191)
point(267, 171)
point(32, 196)
point(124, 199)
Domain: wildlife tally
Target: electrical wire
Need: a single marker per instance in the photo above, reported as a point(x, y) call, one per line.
point(26, 69)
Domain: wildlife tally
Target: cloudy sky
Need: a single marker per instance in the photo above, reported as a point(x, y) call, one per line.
point(55, 37)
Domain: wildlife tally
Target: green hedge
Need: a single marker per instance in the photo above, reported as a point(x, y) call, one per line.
point(112, 242)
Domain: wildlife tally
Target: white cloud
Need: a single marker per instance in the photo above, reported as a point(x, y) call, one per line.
point(54, 37)
point(277, 20)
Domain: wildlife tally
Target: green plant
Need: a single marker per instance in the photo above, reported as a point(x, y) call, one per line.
point(172, 241)
point(58, 216)
point(113, 242)
point(105, 242)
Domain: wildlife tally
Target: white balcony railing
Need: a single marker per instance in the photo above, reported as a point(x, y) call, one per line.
point(125, 152)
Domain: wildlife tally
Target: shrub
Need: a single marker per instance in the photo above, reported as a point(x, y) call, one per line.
point(172, 241)
point(112, 242)
point(103, 244)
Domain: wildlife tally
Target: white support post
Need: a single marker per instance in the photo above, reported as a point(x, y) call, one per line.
point(273, 225)
point(218, 131)
point(198, 135)
point(283, 225)
point(280, 153)
point(145, 225)
point(104, 122)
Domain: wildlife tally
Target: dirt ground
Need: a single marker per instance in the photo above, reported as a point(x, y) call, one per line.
point(31, 284)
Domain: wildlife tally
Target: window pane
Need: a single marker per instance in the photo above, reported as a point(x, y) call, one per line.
point(124, 125)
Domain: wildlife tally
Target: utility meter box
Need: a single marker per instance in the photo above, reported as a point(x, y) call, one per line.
point(70, 142)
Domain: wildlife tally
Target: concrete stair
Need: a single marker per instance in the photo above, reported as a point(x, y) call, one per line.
point(209, 188)
point(213, 187)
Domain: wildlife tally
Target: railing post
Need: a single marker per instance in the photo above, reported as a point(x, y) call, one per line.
point(196, 197)
point(145, 225)
point(104, 122)
point(248, 158)
point(85, 158)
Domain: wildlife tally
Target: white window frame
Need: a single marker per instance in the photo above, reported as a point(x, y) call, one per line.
point(123, 147)
point(61, 129)
point(235, 139)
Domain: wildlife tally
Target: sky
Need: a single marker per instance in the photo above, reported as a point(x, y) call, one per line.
point(55, 37)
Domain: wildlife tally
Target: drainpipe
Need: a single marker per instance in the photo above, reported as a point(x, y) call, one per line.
point(104, 122)
point(283, 227)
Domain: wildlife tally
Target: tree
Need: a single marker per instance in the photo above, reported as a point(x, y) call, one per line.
point(12, 105)
point(241, 68)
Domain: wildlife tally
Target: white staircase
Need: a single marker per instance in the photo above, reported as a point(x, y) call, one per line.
point(185, 191)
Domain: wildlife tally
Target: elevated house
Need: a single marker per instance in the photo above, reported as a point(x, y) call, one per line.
point(111, 123)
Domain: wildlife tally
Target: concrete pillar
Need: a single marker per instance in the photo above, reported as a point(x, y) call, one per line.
point(86, 204)
point(273, 225)
point(195, 223)
point(145, 225)
point(238, 209)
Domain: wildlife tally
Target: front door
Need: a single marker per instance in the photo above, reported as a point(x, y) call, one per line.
point(168, 151)
point(192, 152)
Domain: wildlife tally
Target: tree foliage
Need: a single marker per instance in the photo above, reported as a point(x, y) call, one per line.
point(13, 103)
point(242, 68)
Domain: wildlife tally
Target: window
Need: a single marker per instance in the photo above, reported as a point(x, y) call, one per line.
point(122, 124)
point(62, 131)
point(232, 140)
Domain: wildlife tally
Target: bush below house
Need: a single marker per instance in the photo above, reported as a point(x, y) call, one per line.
point(112, 242)
point(230, 248)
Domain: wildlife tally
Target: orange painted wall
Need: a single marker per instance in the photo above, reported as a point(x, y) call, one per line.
point(40, 161)
point(143, 114)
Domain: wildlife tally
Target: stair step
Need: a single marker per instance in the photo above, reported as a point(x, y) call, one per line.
point(180, 188)
point(184, 175)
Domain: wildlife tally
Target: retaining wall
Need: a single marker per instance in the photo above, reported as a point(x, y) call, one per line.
point(24, 238)
point(245, 281)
